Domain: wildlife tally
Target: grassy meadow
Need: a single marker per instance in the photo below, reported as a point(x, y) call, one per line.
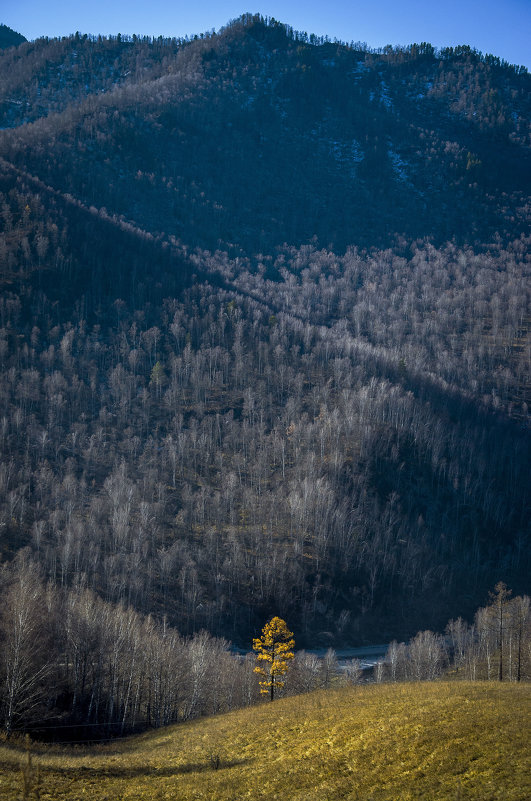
point(444, 740)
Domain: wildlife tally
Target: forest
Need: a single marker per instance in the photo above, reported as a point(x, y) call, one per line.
point(264, 349)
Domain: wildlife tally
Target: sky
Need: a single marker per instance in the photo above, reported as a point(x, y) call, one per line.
point(501, 27)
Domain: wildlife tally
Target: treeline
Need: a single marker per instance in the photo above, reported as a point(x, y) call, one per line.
point(72, 665)
point(496, 646)
point(75, 667)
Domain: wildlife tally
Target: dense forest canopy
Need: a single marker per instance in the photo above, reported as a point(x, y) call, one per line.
point(264, 328)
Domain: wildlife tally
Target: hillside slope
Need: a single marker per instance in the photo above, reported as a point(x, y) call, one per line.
point(389, 743)
point(259, 136)
point(265, 326)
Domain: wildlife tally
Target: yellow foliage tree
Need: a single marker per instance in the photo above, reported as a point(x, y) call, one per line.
point(273, 649)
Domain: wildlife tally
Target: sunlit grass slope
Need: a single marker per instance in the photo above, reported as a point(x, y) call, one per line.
point(431, 741)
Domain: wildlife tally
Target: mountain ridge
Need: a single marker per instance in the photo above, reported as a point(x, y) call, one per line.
point(264, 134)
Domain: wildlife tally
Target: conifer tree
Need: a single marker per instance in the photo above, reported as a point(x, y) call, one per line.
point(273, 651)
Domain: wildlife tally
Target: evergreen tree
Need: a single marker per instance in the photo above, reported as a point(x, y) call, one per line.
point(274, 649)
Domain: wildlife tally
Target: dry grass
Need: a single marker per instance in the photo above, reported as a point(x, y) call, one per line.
point(395, 742)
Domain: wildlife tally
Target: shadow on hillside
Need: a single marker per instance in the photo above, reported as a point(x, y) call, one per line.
point(132, 772)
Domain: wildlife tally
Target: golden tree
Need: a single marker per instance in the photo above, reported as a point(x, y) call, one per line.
point(273, 651)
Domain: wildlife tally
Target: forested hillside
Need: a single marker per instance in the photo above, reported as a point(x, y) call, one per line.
point(260, 136)
point(264, 328)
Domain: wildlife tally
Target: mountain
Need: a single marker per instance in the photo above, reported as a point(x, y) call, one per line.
point(257, 137)
point(265, 327)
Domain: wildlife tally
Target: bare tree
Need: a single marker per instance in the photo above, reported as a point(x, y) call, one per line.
point(353, 671)
point(500, 598)
point(27, 657)
point(520, 619)
point(426, 656)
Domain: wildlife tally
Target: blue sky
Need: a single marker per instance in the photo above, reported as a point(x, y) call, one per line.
point(502, 27)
